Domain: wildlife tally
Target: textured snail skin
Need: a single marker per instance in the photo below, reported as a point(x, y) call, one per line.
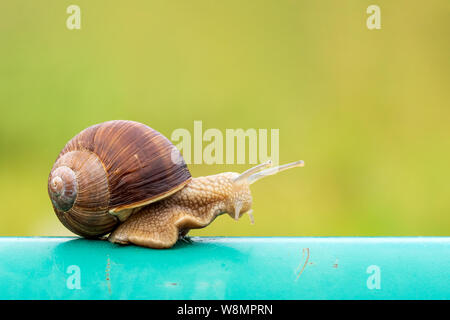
point(160, 224)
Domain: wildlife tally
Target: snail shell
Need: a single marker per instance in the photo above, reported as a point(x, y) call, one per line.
point(109, 169)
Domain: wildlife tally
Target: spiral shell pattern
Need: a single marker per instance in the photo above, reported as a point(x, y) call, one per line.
point(108, 168)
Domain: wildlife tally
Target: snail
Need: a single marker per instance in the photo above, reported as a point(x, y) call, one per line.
point(127, 180)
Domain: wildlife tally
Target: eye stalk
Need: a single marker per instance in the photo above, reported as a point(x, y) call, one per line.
point(246, 174)
point(255, 177)
point(245, 179)
point(254, 174)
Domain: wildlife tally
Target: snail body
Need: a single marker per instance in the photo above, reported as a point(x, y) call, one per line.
point(127, 180)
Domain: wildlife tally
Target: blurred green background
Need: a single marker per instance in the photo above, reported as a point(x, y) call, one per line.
point(368, 111)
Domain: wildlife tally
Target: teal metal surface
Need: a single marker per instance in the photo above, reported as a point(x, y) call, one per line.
point(227, 268)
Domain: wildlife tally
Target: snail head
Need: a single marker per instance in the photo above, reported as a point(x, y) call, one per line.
point(241, 200)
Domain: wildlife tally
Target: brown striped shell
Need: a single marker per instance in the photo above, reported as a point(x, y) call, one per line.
point(109, 169)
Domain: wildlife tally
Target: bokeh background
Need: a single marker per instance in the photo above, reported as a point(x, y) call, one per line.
point(368, 111)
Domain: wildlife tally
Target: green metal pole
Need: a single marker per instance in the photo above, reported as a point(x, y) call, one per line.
point(227, 268)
